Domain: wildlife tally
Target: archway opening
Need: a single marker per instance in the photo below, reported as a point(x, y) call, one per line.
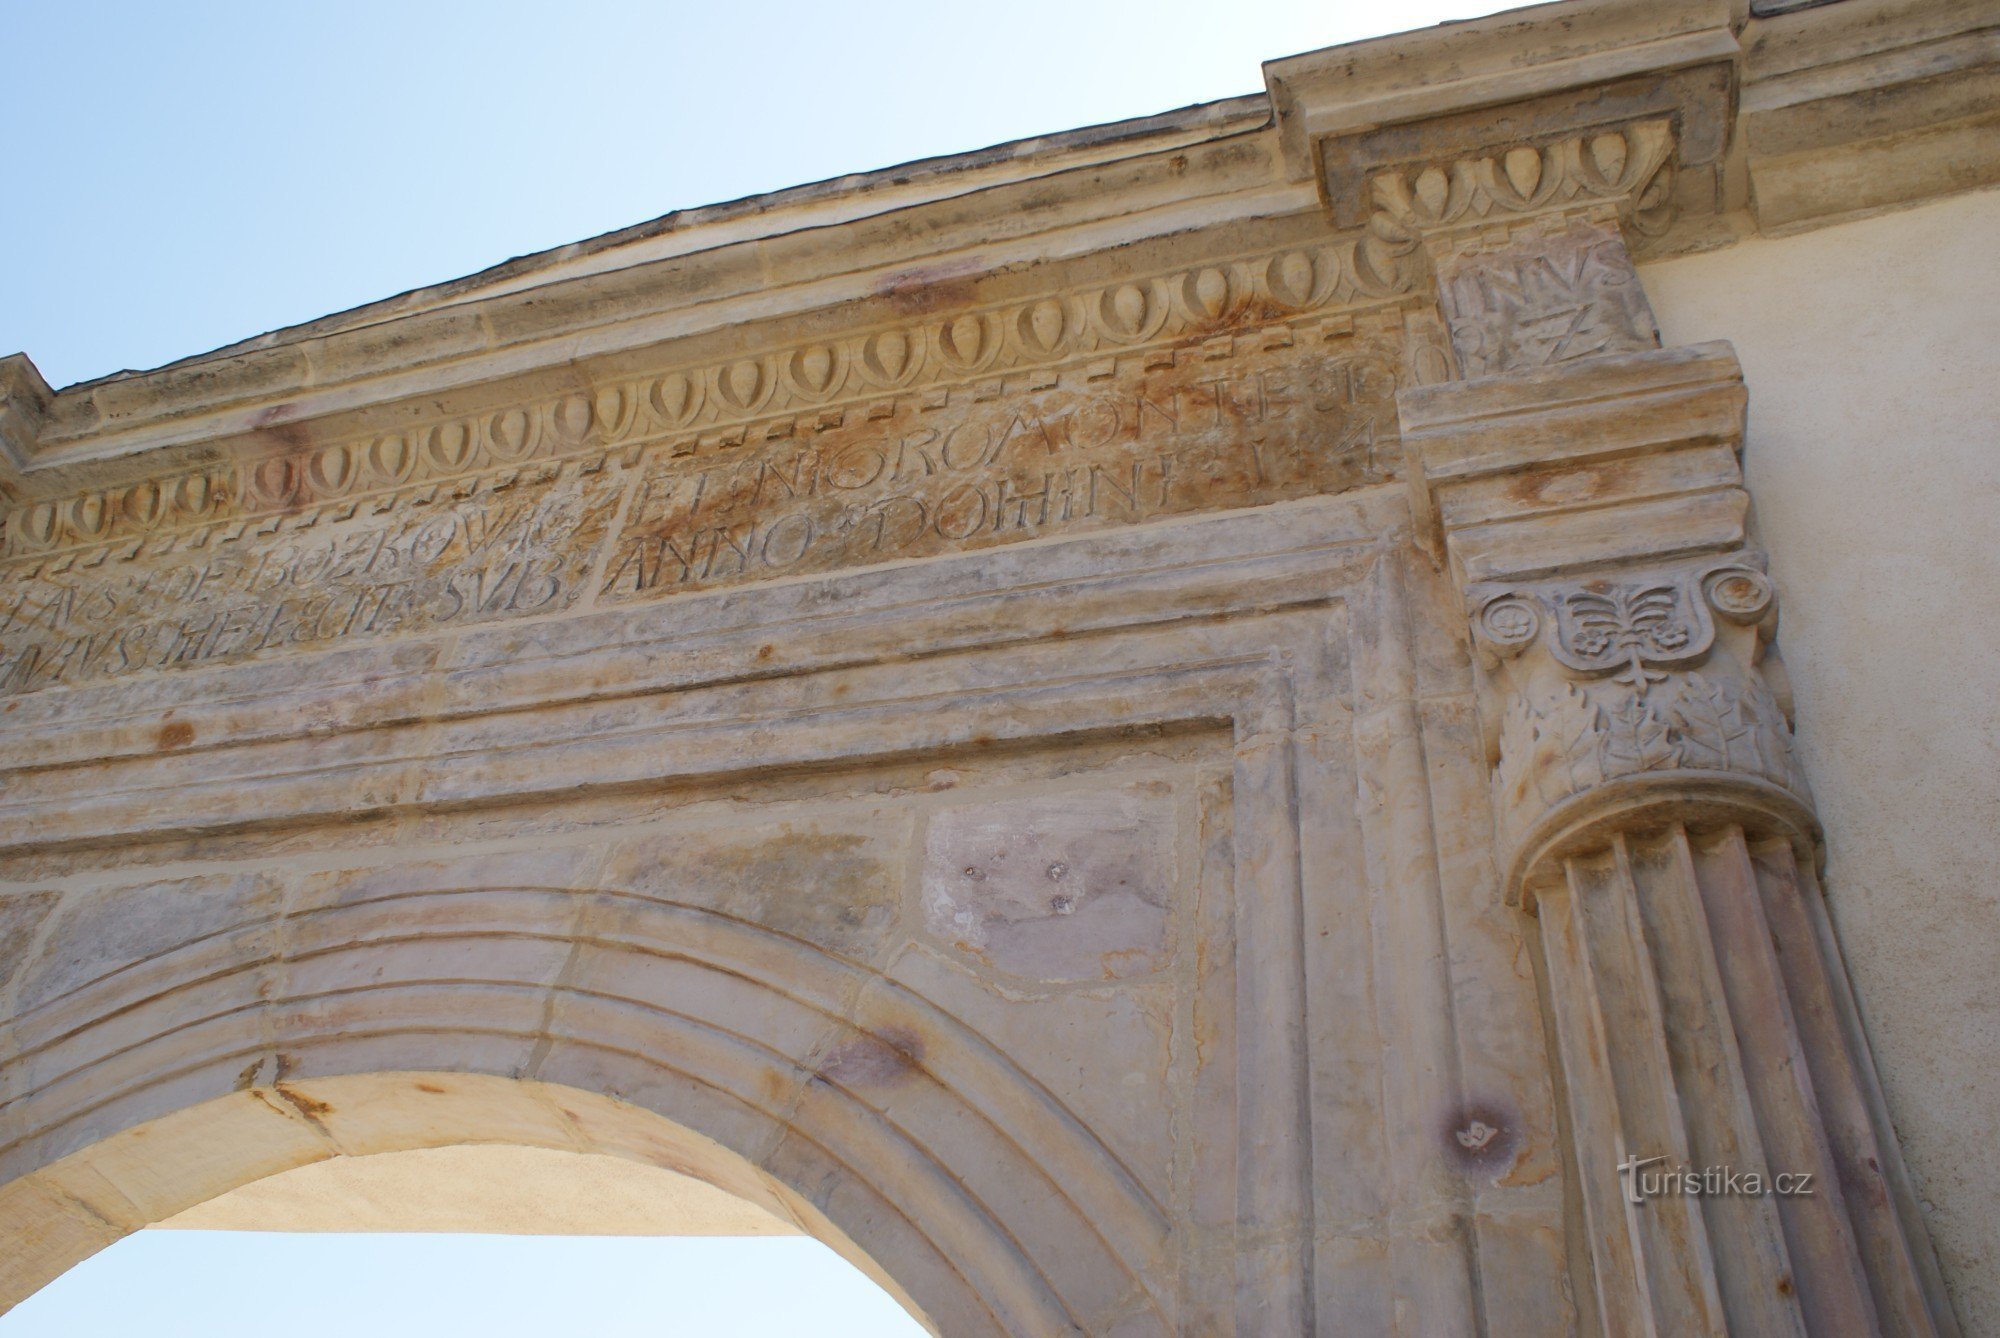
point(481, 1214)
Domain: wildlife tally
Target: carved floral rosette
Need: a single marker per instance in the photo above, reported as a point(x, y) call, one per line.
point(1634, 700)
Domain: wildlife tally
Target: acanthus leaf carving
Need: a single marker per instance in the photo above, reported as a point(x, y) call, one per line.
point(1610, 679)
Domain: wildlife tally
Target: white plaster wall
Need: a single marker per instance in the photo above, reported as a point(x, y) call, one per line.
point(1872, 351)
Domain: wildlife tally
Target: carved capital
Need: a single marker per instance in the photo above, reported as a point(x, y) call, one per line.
point(1621, 702)
point(1582, 486)
point(1526, 242)
point(1650, 810)
point(1593, 519)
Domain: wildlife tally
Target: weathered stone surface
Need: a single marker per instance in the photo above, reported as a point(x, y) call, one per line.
point(833, 886)
point(505, 1188)
point(1893, 682)
point(1651, 810)
point(1073, 888)
point(1187, 429)
point(1172, 731)
point(1545, 297)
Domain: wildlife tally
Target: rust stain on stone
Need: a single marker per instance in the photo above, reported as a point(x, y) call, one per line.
point(1124, 962)
point(309, 1106)
point(174, 734)
point(1481, 1138)
point(932, 288)
point(278, 465)
point(874, 1059)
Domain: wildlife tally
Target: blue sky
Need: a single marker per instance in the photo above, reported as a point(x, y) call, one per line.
point(181, 176)
point(204, 1284)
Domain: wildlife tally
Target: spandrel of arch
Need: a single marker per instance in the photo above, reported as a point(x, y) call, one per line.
point(142, 1083)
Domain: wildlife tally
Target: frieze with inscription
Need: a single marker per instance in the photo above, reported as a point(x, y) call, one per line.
point(1154, 435)
point(523, 550)
point(1544, 297)
point(1183, 436)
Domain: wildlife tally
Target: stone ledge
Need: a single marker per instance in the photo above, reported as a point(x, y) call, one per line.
point(1608, 459)
point(1844, 108)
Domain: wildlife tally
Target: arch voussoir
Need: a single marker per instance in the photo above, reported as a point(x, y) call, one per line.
point(295, 1038)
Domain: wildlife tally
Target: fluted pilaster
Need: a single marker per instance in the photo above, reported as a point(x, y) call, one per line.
point(1652, 813)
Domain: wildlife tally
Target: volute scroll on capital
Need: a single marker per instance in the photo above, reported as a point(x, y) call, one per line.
point(1634, 626)
point(1632, 700)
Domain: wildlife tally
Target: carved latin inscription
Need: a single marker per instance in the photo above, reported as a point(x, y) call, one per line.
point(1525, 243)
point(1544, 297)
point(929, 361)
point(1182, 437)
point(1155, 434)
point(525, 550)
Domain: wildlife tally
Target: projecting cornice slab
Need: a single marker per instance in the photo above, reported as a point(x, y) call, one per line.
point(1386, 100)
point(1758, 123)
point(1869, 104)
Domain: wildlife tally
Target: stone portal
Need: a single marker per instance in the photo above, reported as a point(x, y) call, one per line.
point(1187, 740)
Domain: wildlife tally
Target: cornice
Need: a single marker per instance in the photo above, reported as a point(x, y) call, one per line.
point(1776, 123)
point(797, 388)
point(1620, 173)
point(1429, 76)
point(1779, 123)
point(1866, 105)
point(1162, 185)
point(1617, 103)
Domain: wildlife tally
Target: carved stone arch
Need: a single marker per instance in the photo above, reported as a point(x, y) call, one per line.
point(422, 1007)
point(73, 1207)
point(1170, 748)
point(1081, 1111)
